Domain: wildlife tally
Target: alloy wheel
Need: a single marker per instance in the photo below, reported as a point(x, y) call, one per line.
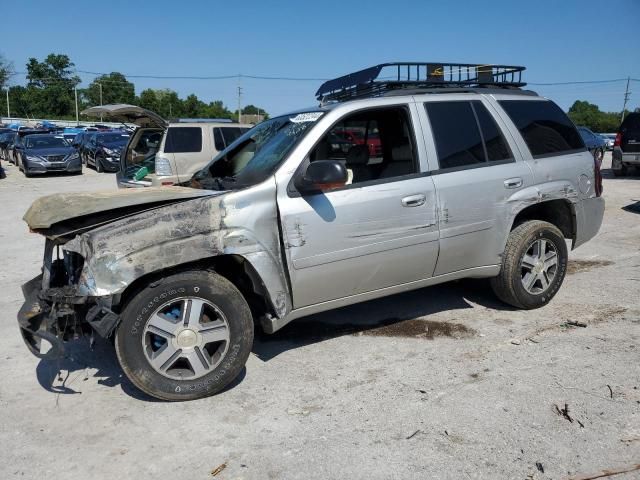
point(539, 266)
point(186, 338)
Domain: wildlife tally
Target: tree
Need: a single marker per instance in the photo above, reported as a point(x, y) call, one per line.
point(115, 89)
point(6, 69)
point(193, 107)
point(216, 109)
point(589, 115)
point(50, 85)
point(147, 99)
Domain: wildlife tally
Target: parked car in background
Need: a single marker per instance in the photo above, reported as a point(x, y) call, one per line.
point(473, 183)
point(79, 142)
point(82, 147)
point(183, 147)
point(361, 135)
point(6, 139)
point(626, 148)
point(103, 150)
point(20, 135)
point(594, 143)
point(68, 137)
point(42, 153)
point(609, 139)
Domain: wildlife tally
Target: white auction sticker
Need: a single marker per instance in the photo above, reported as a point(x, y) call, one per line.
point(306, 117)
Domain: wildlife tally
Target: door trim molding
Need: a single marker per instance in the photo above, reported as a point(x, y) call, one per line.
point(273, 324)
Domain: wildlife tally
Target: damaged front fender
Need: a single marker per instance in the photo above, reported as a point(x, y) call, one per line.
point(243, 223)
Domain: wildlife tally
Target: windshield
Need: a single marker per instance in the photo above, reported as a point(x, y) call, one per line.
point(44, 142)
point(256, 154)
point(113, 138)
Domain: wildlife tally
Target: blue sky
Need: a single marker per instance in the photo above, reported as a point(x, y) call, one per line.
point(557, 40)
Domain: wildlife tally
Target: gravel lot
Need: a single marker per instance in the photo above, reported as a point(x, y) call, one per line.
point(443, 382)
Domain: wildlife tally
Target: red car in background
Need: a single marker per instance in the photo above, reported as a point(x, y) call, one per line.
point(357, 137)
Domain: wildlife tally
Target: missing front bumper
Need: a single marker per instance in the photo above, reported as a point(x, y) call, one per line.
point(58, 315)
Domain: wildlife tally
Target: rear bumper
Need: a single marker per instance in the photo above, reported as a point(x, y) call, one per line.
point(620, 158)
point(589, 215)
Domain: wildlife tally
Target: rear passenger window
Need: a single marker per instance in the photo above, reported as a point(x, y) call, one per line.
point(495, 144)
point(546, 129)
point(465, 134)
point(183, 140)
point(225, 136)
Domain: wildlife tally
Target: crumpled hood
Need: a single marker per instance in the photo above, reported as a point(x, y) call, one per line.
point(51, 209)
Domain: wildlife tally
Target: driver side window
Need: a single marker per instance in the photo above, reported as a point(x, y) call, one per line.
point(373, 144)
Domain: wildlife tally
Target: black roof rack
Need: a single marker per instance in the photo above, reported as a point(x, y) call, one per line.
point(376, 81)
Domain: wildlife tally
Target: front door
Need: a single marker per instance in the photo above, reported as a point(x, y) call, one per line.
point(378, 231)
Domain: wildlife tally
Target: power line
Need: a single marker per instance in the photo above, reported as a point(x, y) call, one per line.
point(586, 82)
point(298, 79)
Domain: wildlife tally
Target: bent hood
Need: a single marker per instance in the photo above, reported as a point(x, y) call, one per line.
point(52, 209)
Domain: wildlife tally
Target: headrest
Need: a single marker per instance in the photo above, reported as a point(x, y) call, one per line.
point(401, 153)
point(358, 155)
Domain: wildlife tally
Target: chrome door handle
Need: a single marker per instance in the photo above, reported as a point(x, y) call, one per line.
point(513, 183)
point(414, 200)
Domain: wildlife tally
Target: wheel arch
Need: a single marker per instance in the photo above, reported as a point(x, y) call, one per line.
point(558, 212)
point(238, 269)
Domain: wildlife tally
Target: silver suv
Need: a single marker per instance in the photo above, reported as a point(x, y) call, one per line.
point(444, 172)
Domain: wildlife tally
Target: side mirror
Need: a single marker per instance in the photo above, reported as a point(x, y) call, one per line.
point(322, 175)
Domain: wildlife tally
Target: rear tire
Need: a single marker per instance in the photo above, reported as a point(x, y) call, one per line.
point(530, 277)
point(621, 172)
point(186, 337)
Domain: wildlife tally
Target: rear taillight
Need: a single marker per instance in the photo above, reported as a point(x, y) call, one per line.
point(597, 176)
point(163, 167)
point(618, 141)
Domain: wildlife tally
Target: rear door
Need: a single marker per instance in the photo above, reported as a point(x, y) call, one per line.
point(185, 148)
point(630, 133)
point(477, 172)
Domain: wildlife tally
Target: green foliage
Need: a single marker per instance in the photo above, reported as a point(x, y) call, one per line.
point(167, 104)
point(49, 93)
point(115, 89)
point(6, 68)
point(50, 85)
point(589, 115)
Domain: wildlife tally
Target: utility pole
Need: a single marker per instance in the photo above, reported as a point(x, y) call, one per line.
point(8, 110)
point(627, 94)
point(100, 84)
point(239, 101)
point(75, 90)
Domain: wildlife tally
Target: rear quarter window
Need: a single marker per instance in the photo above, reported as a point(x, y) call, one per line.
point(183, 140)
point(225, 136)
point(631, 122)
point(545, 128)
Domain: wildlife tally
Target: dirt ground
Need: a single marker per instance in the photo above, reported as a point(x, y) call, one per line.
point(443, 382)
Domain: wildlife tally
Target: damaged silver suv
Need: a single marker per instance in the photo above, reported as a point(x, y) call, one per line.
point(442, 172)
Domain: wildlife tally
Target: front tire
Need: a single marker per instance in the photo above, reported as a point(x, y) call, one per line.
point(98, 164)
point(534, 264)
point(186, 337)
